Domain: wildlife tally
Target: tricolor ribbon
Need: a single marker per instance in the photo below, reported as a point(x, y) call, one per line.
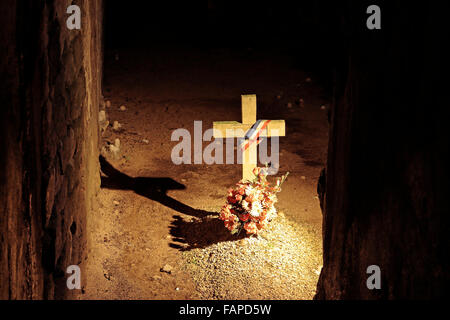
point(253, 134)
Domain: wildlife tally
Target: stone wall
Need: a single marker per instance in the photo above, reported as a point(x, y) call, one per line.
point(386, 200)
point(49, 175)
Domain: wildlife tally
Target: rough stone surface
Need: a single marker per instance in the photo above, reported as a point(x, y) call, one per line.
point(49, 129)
point(386, 200)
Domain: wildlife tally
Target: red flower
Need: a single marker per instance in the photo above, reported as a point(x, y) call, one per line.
point(251, 228)
point(231, 199)
point(245, 217)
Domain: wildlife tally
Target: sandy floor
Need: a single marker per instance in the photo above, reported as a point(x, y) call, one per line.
point(138, 230)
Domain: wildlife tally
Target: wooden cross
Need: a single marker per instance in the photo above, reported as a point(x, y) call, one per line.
point(234, 129)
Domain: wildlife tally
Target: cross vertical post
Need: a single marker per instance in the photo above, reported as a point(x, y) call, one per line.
point(249, 155)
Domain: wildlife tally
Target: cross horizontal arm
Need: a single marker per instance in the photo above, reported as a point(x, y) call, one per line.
point(234, 129)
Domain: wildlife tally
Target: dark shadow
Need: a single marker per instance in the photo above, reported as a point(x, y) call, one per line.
point(200, 233)
point(151, 188)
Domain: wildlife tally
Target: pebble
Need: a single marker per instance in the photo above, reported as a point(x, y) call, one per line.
point(318, 270)
point(167, 269)
point(116, 126)
point(116, 203)
point(155, 278)
point(102, 116)
point(145, 141)
point(123, 108)
point(115, 151)
point(103, 123)
point(117, 143)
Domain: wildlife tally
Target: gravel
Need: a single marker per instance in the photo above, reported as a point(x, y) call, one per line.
point(281, 263)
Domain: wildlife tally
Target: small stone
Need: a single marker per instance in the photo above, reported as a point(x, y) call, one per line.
point(108, 104)
point(301, 102)
point(303, 177)
point(319, 270)
point(123, 108)
point(183, 180)
point(115, 151)
point(116, 203)
point(177, 289)
point(156, 278)
point(102, 116)
point(116, 126)
point(167, 269)
point(145, 141)
point(117, 143)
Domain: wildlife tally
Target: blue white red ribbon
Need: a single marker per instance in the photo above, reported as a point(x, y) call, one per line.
point(252, 136)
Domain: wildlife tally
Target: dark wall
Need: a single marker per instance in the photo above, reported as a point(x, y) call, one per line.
point(304, 29)
point(49, 94)
point(219, 23)
point(386, 199)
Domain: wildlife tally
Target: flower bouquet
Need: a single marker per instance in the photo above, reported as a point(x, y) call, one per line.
point(251, 204)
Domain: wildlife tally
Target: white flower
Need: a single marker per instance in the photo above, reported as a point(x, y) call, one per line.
point(256, 209)
point(249, 190)
point(244, 204)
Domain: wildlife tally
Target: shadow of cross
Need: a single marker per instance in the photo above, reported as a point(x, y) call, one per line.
point(152, 188)
point(250, 130)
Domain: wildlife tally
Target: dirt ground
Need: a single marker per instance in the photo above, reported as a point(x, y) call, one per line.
point(139, 231)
